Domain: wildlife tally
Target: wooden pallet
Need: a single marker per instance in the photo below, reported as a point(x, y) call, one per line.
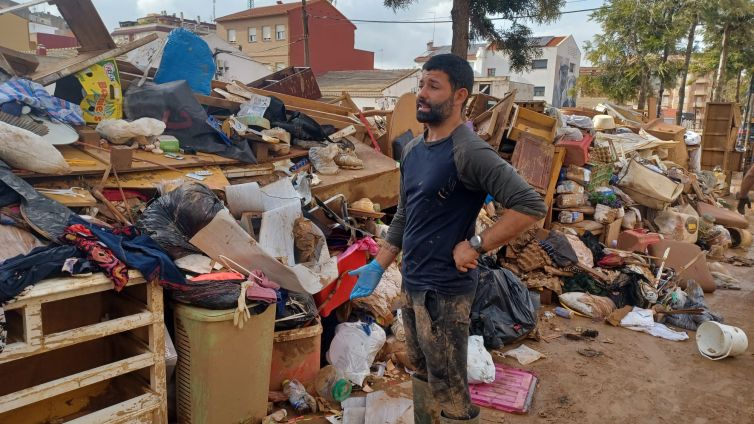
point(79, 351)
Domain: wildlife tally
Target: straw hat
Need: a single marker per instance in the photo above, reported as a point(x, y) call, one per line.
point(603, 122)
point(364, 208)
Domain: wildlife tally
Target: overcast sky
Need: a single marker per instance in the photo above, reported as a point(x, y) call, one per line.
point(394, 45)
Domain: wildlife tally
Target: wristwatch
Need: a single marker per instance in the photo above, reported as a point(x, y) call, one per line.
point(476, 243)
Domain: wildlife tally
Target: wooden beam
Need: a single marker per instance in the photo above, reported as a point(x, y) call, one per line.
point(86, 24)
point(212, 101)
point(292, 100)
point(85, 59)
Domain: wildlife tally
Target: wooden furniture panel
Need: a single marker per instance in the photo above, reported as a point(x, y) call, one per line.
point(73, 341)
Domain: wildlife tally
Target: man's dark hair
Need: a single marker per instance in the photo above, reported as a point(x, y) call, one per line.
point(458, 70)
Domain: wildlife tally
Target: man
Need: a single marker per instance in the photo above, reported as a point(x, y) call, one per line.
point(743, 194)
point(445, 176)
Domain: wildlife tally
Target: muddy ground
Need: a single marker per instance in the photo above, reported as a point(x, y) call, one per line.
point(644, 379)
point(638, 378)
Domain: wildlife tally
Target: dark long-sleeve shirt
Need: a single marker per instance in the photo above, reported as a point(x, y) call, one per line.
point(443, 186)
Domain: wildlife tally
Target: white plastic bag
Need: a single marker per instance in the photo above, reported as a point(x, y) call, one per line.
point(119, 131)
point(524, 354)
point(479, 365)
point(352, 351)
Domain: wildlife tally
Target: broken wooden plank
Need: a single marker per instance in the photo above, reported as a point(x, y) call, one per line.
point(229, 96)
point(21, 6)
point(292, 100)
point(218, 102)
point(70, 66)
point(86, 24)
point(20, 63)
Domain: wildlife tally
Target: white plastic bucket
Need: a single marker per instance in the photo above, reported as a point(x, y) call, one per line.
point(717, 341)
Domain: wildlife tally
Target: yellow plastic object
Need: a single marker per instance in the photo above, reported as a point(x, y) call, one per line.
point(103, 96)
point(223, 372)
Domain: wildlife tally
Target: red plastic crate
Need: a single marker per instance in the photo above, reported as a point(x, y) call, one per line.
point(577, 152)
point(338, 292)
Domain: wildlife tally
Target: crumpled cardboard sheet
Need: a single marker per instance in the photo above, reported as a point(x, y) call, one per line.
point(223, 238)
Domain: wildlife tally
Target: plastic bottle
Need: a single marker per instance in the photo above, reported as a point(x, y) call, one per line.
point(563, 312)
point(331, 385)
point(297, 395)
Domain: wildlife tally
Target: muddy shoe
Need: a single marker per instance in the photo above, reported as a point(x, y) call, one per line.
point(473, 420)
point(426, 410)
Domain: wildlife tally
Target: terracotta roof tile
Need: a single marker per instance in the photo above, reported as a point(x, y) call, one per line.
point(256, 12)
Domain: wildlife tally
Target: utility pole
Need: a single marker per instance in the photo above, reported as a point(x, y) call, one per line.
point(305, 17)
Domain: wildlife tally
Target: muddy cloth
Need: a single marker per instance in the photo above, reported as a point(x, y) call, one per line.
point(625, 290)
point(21, 271)
point(137, 251)
point(175, 217)
point(583, 283)
point(104, 258)
point(502, 310)
point(35, 96)
point(593, 243)
point(437, 334)
point(694, 299)
point(559, 249)
point(443, 186)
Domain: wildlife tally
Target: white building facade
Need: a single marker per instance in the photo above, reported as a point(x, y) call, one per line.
point(552, 75)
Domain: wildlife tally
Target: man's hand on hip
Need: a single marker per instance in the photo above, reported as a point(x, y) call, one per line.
point(465, 256)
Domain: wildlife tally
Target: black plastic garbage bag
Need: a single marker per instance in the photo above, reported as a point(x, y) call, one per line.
point(215, 295)
point(175, 217)
point(174, 103)
point(302, 126)
point(502, 310)
point(46, 216)
point(294, 310)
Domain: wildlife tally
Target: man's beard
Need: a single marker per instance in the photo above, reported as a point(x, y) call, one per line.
point(437, 112)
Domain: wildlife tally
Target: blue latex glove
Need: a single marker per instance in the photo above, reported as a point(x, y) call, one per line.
point(369, 276)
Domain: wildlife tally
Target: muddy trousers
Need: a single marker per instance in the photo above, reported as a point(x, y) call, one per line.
point(437, 333)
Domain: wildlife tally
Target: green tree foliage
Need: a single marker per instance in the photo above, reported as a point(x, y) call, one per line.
point(471, 21)
point(729, 27)
point(636, 46)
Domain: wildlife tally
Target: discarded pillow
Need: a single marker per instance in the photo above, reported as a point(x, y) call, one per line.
point(588, 304)
point(23, 149)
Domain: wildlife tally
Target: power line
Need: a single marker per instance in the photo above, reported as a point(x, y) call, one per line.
point(374, 21)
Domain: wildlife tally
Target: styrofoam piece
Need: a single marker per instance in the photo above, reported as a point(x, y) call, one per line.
point(512, 391)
